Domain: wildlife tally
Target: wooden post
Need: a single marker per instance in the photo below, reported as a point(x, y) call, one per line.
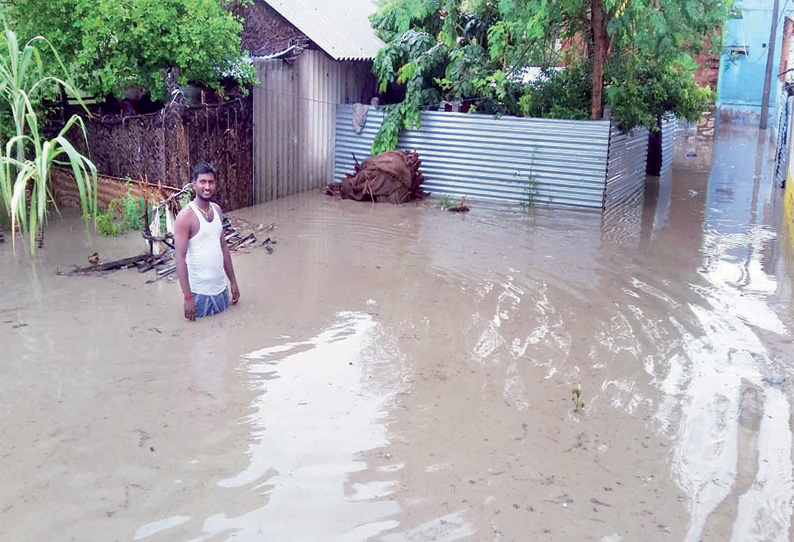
point(146, 225)
point(177, 159)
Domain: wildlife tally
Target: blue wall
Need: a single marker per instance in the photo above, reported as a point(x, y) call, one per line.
point(741, 81)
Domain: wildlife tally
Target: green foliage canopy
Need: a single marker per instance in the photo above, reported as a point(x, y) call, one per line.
point(633, 55)
point(112, 45)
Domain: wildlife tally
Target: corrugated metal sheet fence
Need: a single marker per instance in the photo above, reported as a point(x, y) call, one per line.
point(510, 159)
point(669, 127)
point(351, 145)
point(294, 119)
point(626, 163)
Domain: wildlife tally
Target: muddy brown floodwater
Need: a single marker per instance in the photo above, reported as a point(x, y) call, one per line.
point(406, 374)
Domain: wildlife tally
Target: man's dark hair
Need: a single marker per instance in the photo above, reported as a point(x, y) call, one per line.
point(201, 168)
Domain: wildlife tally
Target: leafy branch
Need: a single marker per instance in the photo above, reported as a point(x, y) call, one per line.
point(635, 56)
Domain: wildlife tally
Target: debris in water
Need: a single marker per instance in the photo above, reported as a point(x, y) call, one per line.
point(123, 263)
point(774, 379)
point(392, 177)
point(163, 263)
point(461, 207)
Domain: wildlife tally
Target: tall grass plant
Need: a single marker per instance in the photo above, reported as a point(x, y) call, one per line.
point(27, 155)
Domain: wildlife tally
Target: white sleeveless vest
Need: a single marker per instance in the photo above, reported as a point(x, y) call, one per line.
point(204, 256)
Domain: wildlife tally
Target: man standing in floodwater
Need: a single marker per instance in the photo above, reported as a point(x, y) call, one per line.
point(201, 255)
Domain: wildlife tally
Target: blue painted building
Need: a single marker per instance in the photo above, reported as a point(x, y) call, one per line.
point(743, 60)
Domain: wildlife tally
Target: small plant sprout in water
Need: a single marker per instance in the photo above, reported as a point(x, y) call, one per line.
point(449, 204)
point(576, 399)
point(446, 202)
point(531, 192)
point(530, 186)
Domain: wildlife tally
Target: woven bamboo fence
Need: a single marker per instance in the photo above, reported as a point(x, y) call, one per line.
point(163, 147)
point(65, 193)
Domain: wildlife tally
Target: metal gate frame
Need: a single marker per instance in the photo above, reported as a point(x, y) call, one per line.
point(782, 154)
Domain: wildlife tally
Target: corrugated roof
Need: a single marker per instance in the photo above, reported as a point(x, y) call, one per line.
point(339, 27)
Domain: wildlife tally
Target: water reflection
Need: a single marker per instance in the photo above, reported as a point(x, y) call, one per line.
point(697, 331)
point(662, 188)
point(636, 221)
point(151, 529)
point(622, 224)
point(316, 412)
point(733, 446)
point(732, 451)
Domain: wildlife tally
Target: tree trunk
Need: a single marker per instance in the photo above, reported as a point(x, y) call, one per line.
point(600, 46)
point(654, 164)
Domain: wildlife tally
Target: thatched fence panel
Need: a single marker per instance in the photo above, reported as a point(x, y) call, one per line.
point(162, 147)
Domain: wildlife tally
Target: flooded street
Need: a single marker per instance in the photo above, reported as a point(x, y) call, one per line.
point(406, 374)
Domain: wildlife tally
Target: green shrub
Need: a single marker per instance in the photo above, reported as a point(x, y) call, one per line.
point(122, 214)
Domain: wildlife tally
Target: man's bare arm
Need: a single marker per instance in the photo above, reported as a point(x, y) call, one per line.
point(181, 237)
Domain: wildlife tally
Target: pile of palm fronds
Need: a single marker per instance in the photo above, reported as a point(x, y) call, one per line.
point(392, 176)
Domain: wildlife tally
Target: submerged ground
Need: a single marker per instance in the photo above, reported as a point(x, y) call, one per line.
point(406, 374)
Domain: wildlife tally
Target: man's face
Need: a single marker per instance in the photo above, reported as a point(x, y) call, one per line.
point(205, 186)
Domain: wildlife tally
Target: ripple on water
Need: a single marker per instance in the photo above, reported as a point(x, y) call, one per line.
point(155, 527)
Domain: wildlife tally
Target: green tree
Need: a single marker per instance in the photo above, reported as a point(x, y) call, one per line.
point(635, 56)
point(112, 45)
point(644, 43)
